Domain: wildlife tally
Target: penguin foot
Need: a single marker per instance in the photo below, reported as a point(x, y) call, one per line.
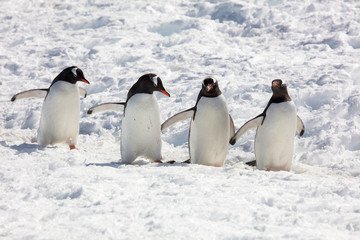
point(73, 147)
point(251, 163)
point(169, 162)
point(187, 161)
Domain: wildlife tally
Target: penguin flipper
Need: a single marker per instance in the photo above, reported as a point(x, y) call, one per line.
point(114, 106)
point(177, 118)
point(82, 92)
point(300, 127)
point(232, 127)
point(247, 126)
point(33, 93)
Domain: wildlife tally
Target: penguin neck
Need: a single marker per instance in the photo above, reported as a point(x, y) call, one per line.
point(215, 92)
point(277, 98)
point(203, 93)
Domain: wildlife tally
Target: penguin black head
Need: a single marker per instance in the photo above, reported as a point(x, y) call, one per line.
point(72, 75)
point(147, 83)
point(280, 91)
point(210, 87)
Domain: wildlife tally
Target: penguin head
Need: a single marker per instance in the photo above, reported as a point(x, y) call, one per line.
point(147, 83)
point(210, 87)
point(278, 86)
point(280, 89)
point(72, 75)
point(157, 83)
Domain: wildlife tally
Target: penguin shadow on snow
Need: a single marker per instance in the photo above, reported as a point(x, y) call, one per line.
point(138, 162)
point(25, 147)
point(110, 164)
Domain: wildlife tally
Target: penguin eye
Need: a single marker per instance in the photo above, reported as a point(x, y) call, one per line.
point(74, 71)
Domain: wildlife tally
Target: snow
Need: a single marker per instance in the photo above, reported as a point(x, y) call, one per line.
point(53, 193)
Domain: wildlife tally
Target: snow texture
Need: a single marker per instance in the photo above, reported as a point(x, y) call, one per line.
point(54, 193)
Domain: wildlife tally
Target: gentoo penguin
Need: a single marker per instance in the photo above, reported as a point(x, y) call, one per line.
point(276, 127)
point(140, 134)
point(211, 125)
point(60, 114)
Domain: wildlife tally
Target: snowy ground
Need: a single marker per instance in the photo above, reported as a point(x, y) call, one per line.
point(54, 193)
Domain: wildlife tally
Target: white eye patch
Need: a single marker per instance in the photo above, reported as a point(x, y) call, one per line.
point(215, 81)
point(155, 79)
point(74, 71)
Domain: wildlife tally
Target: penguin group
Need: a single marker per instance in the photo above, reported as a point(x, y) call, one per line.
point(211, 126)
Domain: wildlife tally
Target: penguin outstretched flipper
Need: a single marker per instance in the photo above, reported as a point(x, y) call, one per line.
point(113, 106)
point(247, 126)
point(300, 127)
point(178, 117)
point(232, 127)
point(33, 93)
point(41, 93)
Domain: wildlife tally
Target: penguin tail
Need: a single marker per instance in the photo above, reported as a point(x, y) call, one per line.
point(251, 163)
point(187, 161)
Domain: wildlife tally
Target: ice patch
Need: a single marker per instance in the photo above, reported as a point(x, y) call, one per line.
point(79, 24)
point(354, 144)
point(355, 75)
point(64, 191)
point(354, 42)
point(311, 8)
point(170, 28)
point(354, 105)
point(13, 68)
point(333, 42)
point(229, 12)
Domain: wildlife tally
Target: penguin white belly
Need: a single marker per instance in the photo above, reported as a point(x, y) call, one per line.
point(141, 129)
point(60, 115)
point(210, 132)
point(274, 141)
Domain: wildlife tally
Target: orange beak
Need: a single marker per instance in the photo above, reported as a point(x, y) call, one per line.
point(85, 81)
point(165, 92)
point(275, 84)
